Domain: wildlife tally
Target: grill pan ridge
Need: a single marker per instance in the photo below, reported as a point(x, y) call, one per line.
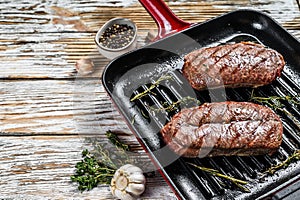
point(135, 72)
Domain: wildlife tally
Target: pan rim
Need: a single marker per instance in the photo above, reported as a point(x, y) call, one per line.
point(132, 128)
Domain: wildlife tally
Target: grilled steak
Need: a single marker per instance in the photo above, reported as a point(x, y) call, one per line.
point(242, 64)
point(226, 128)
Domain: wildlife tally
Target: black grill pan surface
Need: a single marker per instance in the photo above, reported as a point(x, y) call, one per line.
point(134, 72)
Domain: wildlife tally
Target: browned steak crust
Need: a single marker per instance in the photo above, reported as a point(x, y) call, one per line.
point(232, 65)
point(226, 128)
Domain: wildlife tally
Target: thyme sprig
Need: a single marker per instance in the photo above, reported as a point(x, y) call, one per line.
point(175, 105)
point(99, 165)
point(152, 86)
point(294, 157)
point(239, 183)
point(114, 139)
point(275, 101)
point(90, 172)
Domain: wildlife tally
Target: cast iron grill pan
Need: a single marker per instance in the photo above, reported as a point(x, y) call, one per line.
point(135, 72)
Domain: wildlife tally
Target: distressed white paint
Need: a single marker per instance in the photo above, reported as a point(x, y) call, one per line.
point(40, 167)
point(282, 10)
point(57, 106)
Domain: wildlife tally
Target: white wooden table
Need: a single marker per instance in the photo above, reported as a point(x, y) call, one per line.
point(47, 110)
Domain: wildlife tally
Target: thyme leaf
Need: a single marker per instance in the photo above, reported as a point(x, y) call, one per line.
point(294, 157)
point(132, 121)
point(214, 172)
point(116, 141)
point(152, 86)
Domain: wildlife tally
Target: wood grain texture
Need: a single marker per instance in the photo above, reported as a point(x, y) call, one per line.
point(56, 107)
point(47, 110)
point(40, 168)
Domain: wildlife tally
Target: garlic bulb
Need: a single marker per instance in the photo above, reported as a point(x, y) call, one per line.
point(128, 182)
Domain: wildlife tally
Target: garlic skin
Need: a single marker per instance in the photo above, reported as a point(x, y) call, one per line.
point(84, 66)
point(128, 182)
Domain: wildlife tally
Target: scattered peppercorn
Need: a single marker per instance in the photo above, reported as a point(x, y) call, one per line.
point(117, 36)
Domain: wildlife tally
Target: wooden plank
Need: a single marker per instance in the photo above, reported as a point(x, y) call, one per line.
point(56, 107)
point(79, 15)
point(40, 168)
point(53, 55)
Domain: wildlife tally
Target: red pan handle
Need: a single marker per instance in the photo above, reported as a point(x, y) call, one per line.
point(167, 22)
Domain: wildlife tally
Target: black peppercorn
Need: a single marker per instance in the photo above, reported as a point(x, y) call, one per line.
point(117, 36)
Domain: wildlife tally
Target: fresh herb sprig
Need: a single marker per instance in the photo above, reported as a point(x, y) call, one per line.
point(114, 139)
point(99, 165)
point(239, 183)
point(175, 105)
point(90, 172)
point(294, 157)
point(275, 102)
point(152, 86)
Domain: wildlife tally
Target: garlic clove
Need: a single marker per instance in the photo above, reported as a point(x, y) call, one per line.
point(124, 195)
point(125, 167)
point(136, 189)
point(133, 169)
point(137, 178)
point(84, 66)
